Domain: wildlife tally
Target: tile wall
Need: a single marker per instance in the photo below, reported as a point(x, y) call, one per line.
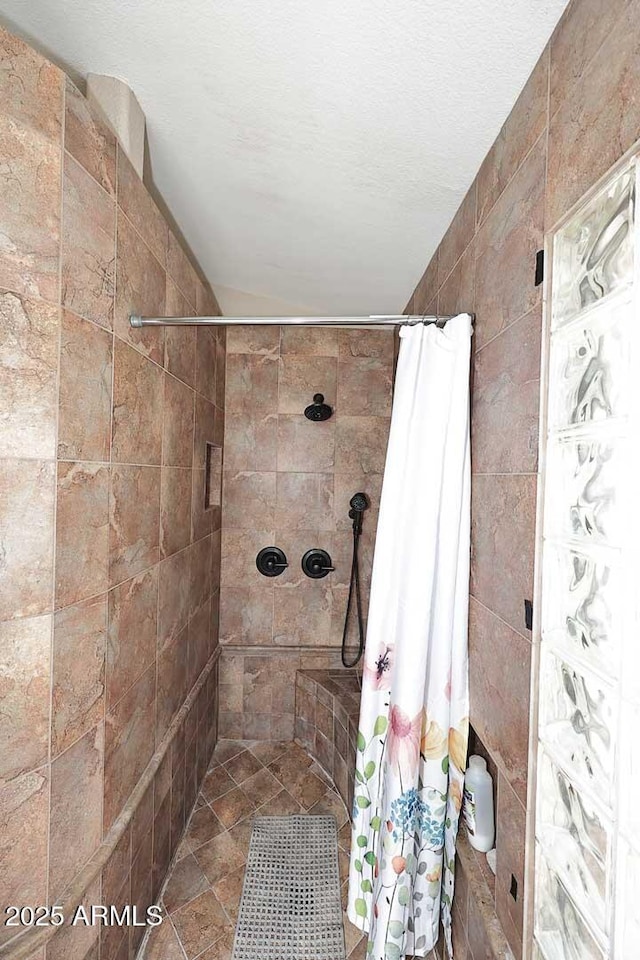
point(288, 482)
point(577, 114)
point(109, 561)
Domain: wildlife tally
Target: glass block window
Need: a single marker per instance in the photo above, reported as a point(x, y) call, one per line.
point(587, 868)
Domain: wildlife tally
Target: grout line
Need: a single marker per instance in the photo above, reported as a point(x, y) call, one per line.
point(498, 617)
point(55, 503)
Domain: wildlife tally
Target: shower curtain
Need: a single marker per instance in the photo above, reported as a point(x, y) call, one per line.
point(412, 735)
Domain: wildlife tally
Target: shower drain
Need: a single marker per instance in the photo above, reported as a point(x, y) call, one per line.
point(290, 907)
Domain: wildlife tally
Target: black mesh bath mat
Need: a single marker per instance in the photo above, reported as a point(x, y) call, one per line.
point(290, 907)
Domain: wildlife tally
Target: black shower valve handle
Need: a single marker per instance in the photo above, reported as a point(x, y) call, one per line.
point(271, 561)
point(317, 563)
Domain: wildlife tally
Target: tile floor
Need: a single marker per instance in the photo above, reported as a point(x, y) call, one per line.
point(202, 894)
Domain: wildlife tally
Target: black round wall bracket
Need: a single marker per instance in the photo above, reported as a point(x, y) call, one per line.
point(271, 561)
point(317, 563)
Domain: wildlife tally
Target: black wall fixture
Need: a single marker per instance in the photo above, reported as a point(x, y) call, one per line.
point(271, 561)
point(318, 410)
point(317, 563)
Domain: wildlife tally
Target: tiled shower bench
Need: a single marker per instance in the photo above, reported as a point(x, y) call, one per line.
point(326, 722)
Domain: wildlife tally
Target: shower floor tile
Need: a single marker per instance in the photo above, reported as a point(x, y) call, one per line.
point(202, 893)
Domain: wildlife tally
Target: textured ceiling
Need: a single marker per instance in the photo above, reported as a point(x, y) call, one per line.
point(312, 151)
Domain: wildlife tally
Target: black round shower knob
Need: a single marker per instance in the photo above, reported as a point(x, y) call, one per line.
point(317, 563)
point(271, 561)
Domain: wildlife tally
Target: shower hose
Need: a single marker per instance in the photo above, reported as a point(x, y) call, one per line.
point(354, 591)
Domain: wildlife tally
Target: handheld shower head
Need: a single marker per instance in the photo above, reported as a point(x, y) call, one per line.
point(359, 502)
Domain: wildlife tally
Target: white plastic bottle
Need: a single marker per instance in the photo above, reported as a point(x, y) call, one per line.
point(478, 804)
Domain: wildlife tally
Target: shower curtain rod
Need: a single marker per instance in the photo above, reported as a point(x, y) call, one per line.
point(381, 321)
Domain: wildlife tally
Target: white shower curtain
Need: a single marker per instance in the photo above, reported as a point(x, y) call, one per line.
point(412, 736)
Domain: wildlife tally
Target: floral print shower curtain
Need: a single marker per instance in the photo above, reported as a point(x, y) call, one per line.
point(412, 736)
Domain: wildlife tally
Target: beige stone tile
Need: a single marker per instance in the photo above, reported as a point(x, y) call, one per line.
point(246, 610)
point(88, 138)
point(30, 86)
point(27, 494)
point(375, 344)
point(163, 944)
point(221, 950)
point(216, 783)
point(519, 132)
point(250, 413)
point(180, 342)
point(309, 341)
point(82, 531)
point(249, 499)
point(500, 664)
point(30, 186)
point(426, 289)
point(232, 807)
point(246, 338)
point(511, 819)
point(175, 509)
point(204, 430)
point(84, 412)
point(28, 371)
point(138, 205)
point(76, 808)
point(200, 923)
point(261, 787)
point(79, 645)
point(364, 387)
point(24, 823)
point(88, 246)
point(137, 408)
point(206, 362)
point(585, 139)
point(129, 743)
point(201, 563)
point(172, 679)
point(25, 649)
point(203, 827)
point(134, 513)
point(220, 856)
point(133, 625)
point(330, 805)
point(304, 501)
point(305, 446)
point(243, 766)
point(267, 751)
point(579, 35)
point(140, 290)
point(221, 368)
point(186, 882)
point(199, 639)
point(502, 553)
point(177, 441)
point(206, 303)
point(302, 612)
point(300, 378)
point(180, 270)
point(361, 444)
point(457, 294)
point(458, 236)
point(506, 399)
point(174, 595)
point(506, 247)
